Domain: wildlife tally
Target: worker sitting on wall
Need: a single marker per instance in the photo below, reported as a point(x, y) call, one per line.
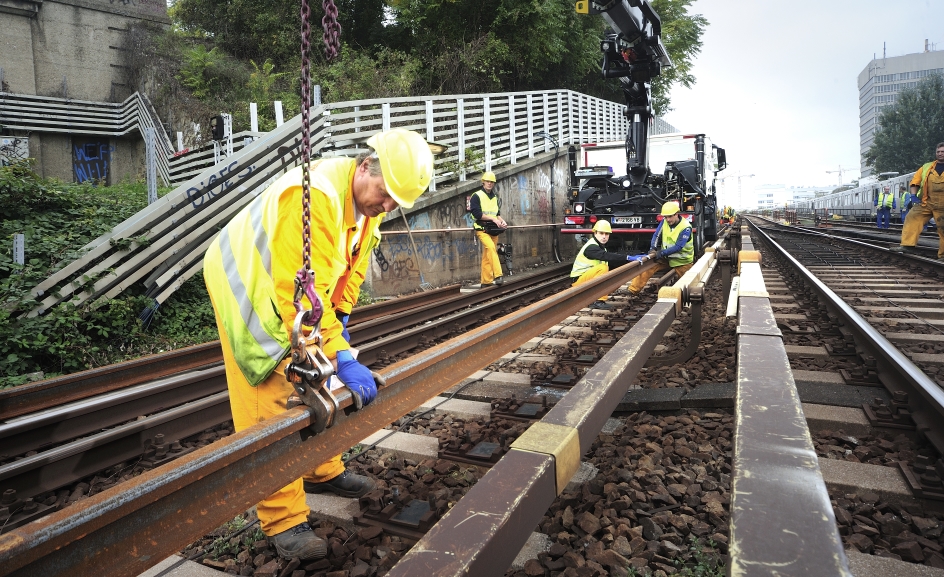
point(671, 245)
point(593, 259)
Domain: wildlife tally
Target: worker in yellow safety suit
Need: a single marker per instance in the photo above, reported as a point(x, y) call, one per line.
point(927, 198)
point(593, 259)
point(671, 245)
point(485, 207)
point(250, 271)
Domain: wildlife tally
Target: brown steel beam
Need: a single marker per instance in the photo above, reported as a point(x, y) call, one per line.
point(60, 390)
point(485, 530)
point(126, 529)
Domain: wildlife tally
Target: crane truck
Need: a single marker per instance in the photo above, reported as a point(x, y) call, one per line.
point(631, 199)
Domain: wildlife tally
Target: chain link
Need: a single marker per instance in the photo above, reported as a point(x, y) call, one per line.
point(332, 30)
point(306, 136)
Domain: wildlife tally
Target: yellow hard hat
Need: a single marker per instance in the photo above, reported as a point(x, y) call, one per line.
point(406, 163)
point(488, 176)
point(603, 226)
point(670, 208)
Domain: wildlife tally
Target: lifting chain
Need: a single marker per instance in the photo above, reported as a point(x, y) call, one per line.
point(332, 30)
point(310, 369)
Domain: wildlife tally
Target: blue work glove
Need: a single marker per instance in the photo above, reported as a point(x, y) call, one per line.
point(357, 377)
point(342, 318)
point(912, 200)
point(635, 257)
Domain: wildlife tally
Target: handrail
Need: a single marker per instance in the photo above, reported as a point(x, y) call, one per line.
point(504, 126)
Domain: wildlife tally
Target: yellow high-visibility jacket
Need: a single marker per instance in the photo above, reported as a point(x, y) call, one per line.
point(250, 268)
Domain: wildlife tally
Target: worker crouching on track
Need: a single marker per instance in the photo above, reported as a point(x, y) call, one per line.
point(250, 272)
point(671, 244)
point(593, 260)
point(486, 210)
point(927, 189)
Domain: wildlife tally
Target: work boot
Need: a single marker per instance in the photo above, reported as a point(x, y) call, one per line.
point(903, 249)
point(347, 484)
point(499, 280)
point(600, 305)
point(299, 541)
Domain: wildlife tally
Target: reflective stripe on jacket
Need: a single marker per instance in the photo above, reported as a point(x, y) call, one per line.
point(250, 268)
point(582, 264)
point(670, 237)
point(921, 177)
point(488, 205)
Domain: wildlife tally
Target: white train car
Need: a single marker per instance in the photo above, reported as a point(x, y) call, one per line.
point(856, 203)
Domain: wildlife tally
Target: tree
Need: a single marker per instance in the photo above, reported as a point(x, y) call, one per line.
point(909, 129)
point(681, 34)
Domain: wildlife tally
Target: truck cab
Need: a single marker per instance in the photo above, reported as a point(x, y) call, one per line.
point(689, 165)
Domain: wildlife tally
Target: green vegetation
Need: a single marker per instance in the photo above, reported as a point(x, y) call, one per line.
point(219, 56)
point(58, 220)
point(909, 129)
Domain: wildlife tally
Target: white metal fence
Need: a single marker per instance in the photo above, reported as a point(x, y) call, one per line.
point(483, 131)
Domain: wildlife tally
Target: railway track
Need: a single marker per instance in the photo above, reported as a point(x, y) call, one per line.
point(484, 530)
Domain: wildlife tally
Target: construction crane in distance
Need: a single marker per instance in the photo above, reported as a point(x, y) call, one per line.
point(840, 171)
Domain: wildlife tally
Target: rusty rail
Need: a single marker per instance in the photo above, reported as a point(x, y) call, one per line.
point(782, 522)
point(125, 530)
point(485, 530)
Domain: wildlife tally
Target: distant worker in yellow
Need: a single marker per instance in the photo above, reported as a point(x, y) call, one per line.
point(486, 210)
point(250, 271)
point(927, 198)
point(671, 245)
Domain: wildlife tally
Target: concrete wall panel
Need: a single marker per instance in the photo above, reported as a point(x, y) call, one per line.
point(453, 257)
point(16, 54)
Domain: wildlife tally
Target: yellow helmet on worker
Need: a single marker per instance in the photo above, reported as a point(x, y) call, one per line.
point(670, 208)
point(488, 176)
point(603, 226)
point(406, 163)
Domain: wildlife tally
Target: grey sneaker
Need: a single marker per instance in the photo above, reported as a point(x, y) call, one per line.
point(903, 249)
point(499, 281)
point(300, 541)
point(347, 484)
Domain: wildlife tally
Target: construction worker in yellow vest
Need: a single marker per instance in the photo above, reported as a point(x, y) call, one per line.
point(486, 207)
point(250, 271)
point(884, 203)
point(671, 245)
point(904, 201)
point(593, 259)
point(927, 190)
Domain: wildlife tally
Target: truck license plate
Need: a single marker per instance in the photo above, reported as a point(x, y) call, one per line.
point(627, 220)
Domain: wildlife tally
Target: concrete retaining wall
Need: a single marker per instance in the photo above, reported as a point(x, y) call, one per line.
point(453, 257)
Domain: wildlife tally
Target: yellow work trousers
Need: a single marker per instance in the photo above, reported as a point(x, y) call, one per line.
point(592, 273)
point(919, 216)
point(640, 281)
point(286, 507)
point(491, 267)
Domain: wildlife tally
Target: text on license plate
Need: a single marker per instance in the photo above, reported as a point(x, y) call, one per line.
point(627, 220)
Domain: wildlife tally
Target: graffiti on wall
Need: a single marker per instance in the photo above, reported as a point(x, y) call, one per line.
point(206, 191)
point(91, 160)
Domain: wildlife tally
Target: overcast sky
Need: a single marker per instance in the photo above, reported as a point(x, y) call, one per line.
point(776, 81)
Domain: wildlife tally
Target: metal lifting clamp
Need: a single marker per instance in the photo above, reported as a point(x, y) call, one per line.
point(310, 368)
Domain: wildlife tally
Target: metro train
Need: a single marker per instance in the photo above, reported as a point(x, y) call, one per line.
point(856, 203)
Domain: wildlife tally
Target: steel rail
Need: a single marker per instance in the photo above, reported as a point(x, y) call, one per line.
point(372, 330)
point(68, 463)
point(774, 462)
point(485, 530)
point(89, 416)
point(925, 397)
point(58, 390)
point(72, 420)
point(126, 529)
point(54, 391)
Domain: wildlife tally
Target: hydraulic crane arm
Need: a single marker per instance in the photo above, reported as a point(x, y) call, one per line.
point(632, 52)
